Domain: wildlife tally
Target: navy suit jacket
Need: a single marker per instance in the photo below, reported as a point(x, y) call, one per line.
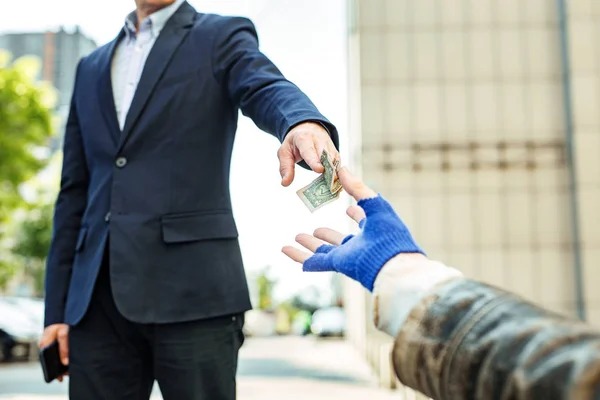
point(160, 188)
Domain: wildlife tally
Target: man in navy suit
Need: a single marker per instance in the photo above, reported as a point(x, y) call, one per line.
point(144, 279)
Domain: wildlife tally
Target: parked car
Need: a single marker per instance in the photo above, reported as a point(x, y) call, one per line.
point(33, 307)
point(329, 321)
point(21, 323)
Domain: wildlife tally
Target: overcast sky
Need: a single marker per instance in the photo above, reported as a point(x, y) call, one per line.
point(307, 40)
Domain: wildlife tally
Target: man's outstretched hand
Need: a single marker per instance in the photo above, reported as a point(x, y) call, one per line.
point(304, 142)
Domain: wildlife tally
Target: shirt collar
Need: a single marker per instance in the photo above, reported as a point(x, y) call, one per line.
point(156, 21)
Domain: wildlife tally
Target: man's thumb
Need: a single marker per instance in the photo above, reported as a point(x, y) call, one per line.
point(286, 166)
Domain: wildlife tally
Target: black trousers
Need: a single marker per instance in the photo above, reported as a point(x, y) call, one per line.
point(112, 358)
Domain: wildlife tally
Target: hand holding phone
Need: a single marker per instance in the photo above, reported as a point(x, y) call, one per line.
point(54, 352)
point(52, 366)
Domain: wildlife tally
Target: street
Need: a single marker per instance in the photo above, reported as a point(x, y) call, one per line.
point(270, 369)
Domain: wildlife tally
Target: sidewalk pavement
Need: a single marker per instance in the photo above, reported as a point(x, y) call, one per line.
point(322, 369)
point(275, 368)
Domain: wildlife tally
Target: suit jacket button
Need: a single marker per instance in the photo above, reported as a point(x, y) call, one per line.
point(107, 217)
point(121, 162)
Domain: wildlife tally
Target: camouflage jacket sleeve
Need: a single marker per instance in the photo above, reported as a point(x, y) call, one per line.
point(468, 340)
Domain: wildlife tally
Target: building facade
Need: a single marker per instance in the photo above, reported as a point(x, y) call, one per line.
point(479, 120)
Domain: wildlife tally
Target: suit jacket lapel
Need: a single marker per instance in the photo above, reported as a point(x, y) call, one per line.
point(167, 42)
point(105, 89)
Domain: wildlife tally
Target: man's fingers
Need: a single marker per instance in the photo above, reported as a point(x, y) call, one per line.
point(49, 336)
point(286, 164)
point(356, 213)
point(354, 186)
point(309, 242)
point(62, 377)
point(45, 340)
point(295, 254)
point(335, 155)
point(308, 152)
point(330, 236)
point(63, 344)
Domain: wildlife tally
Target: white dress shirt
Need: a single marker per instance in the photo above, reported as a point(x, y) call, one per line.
point(131, 55)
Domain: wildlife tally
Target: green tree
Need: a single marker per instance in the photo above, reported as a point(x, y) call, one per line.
point(8, 266)
point(25, 128)
point(265, 290)
point(33, 241)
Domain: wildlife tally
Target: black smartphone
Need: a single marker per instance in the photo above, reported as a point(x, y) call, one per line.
point(51, 365)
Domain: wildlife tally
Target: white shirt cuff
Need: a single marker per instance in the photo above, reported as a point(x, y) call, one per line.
point(401, 285)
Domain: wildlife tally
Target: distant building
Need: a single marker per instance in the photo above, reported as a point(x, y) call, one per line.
point(60, 52)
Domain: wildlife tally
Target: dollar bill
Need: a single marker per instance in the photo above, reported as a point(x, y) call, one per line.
point(336, 185)
point(317, 194)
point(325, 189)
point(329, 173)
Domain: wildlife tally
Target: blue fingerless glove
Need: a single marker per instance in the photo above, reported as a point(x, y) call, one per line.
point(360, 257)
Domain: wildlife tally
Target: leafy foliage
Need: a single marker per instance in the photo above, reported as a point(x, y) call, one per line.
point(25, 127)
point(25, 130)
point(265, 290)
point(33, 242)
point(8, 266)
